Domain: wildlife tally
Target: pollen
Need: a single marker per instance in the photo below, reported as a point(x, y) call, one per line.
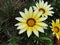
point(42, 10)
point(56, 29)
point(31, 22)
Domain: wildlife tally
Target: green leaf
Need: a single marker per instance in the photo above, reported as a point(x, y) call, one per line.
point(45, 38)
point(1, 26)
point(12, 43)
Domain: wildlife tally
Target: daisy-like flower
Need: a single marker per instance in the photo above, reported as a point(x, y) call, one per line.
point(43, 8)
point(56, 28)
point(31, 22)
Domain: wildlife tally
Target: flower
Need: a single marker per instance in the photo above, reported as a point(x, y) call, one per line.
point(31, 22)
point(43, 8)
point(56, 28)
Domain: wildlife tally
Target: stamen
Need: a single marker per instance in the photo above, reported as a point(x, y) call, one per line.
point(56, 29)
point(42, 10)
point(31, 22)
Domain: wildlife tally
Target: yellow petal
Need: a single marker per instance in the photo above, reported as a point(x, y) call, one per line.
point(42, 24)
point(57, 21)
point(41, 19)
point(57, 36)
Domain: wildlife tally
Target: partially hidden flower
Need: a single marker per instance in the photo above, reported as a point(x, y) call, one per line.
point(56, 28)
point(43, 8)
point(30, 21)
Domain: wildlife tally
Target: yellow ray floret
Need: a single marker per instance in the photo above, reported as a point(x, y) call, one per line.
point(56, 28)
point(43, 8)
point(30, 22)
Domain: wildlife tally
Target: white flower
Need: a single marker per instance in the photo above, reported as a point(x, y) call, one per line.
point(43, 8)
point(30, 22)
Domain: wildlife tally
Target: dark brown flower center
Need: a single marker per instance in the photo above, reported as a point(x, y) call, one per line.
point(31, 22)
point(56, 29)
point(42, 10)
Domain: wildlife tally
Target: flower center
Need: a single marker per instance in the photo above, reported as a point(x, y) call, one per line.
point(56, 29)
point(42, 10)
point(31, 22)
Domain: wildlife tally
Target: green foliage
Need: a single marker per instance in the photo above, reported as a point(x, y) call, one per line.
point(9, 9)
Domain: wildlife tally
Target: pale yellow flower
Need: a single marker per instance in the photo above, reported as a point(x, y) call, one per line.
point(43, 8)
point(56, 28)
point(30, 22)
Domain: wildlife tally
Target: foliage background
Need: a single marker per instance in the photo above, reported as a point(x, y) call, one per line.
point(9, 9)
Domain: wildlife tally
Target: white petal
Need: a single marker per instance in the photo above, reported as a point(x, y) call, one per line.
point(21, 31)
point(46, 3)
point(53, 22)
point(57, 21)
point(23, 15)
point(34, 7)
point(50, 8)
point(20, 19)
point(50, 14)
point(53, 33)
point(38, 15)
point(43, 18)
point(40, 3)
point(39, 28)
point(35, 13)
point(30, 11)
point(45, 27)
point(17, 24)
point(37, 5)
point(43, 24)
point(21, 26)
point(29, 32)
point(36, 32)
point(26, 11)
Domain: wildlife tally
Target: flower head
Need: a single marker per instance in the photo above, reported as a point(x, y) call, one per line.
point(56, 28)
point(43, 8)
point(30, 22)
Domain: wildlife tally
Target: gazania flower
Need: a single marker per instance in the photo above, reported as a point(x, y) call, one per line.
point(56, 28)
point(30, 22)
point(43, 8)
